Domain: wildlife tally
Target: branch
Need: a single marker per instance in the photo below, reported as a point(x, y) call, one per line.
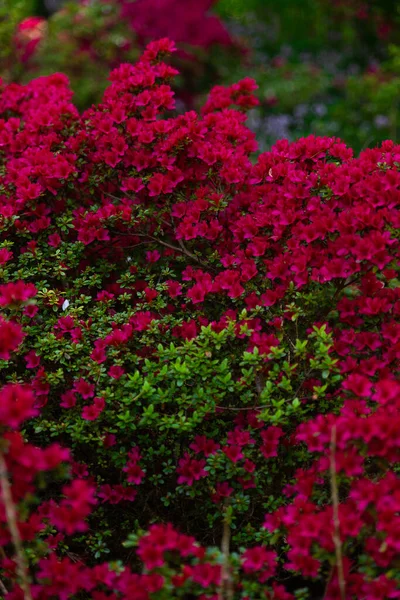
point(181, 248)
point(3, 588)
point(226, 590)
point(234, 408)
point(336, 521)
point(11, 516)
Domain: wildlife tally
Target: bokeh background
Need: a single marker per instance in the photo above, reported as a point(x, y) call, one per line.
point(324, 67)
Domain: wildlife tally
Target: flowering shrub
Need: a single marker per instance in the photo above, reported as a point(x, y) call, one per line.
point(159, 284)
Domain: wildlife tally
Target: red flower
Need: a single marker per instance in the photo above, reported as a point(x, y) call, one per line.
point(16, 293)
point(5, 255)
point(93, 411)
point(17, 403)
point(257, 559)
point(116, 371)
point(11, 337)
point(32, 359)
point(190, 470)
point(203, 444)
point(84, 388)
point(234, 453)
point(222, 490)
point(68, 399)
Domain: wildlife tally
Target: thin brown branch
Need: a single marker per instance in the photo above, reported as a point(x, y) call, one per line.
point(181, 249)
point(3, 588)
point(260, 383)
point(234, 408)
point(226, 591)
point(11, 516)
point(336, 521)
point(328, 582)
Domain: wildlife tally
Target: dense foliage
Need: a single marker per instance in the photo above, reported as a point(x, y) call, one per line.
point(214, 337)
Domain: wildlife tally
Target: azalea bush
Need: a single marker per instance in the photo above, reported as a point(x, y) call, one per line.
point(215, 338)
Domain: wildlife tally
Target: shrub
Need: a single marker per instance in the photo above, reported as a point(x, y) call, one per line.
point(215, 337)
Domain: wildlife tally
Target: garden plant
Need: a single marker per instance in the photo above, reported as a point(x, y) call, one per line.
point(199, 349)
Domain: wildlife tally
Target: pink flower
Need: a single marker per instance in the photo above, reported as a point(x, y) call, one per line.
point(93, 411)
point(11, 337)
point(68, 399)
point(257, 559)
point(17, 403)
point(5, 255)
point(116, 371)
point(234, 453)
point(109, 440)
point(84, 388)
point(54, 240)
point(203, 444)
point(222, 490)
point(358, 384)
point(32, 360)
point(190, 470)
point(16, 293)
point(153, 256)
point(31, 310)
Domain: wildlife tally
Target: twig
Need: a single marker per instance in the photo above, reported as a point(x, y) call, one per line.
point(181, 248)
point(11, 516)
point(331, 572)
point(234, 408)
point(3, 588)
point(336, 521)
point(260, 383)
point(226, 590)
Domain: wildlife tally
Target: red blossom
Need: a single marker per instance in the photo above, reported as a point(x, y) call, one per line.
point(17, 403)
point(16, 293)
point(11, 337)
